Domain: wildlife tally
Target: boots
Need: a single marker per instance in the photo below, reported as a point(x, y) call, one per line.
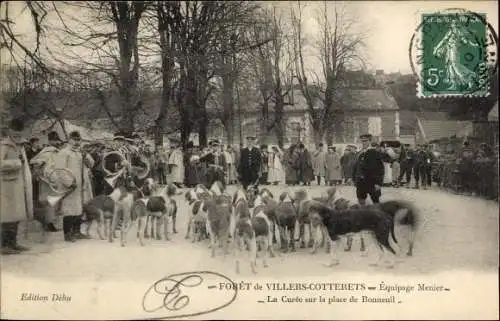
point(362, 248)
point(67, 225)
point(349, 244)
point(75, 228)
point(9, 239)
point(174, 219)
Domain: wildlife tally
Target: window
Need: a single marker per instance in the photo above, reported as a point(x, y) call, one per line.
point(375, 126)
point(294, 131)
point(250, 127)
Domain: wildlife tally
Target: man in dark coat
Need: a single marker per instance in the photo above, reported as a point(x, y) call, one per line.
point(368, 172)
point(306, 174)
point(211, 171)
point(406, 159)
point(191, 165)
point(250, 162)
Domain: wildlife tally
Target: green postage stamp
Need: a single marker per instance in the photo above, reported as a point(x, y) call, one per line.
point(454, 54)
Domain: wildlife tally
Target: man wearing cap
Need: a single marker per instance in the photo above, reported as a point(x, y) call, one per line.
point(16, 201)
point(213, 168)
point(72, 158)
point(406, 159)
point(368, 172)
point(250, 163)
point(43, 164)
point(176, 163)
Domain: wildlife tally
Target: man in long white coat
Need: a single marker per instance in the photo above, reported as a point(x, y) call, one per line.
point(43, 164)
point(16, 202)
point(71, 158)
point(176, 163)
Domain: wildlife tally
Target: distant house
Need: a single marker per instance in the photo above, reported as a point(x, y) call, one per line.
point(428, 131)
point(366, 111)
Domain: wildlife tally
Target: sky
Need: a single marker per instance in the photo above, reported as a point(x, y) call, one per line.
point(389, 25)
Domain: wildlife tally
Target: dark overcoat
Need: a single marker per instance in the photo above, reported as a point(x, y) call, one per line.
point(249, 165)
point(369, 168)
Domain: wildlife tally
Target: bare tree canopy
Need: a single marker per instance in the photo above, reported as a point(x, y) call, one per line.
point(339, 46)
point(11, 42)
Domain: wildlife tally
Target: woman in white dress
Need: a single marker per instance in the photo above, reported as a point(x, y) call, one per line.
point(276, 173)
point(388, 165)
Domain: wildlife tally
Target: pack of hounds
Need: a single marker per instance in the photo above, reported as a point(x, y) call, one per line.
point(252, 223)
point(252, 220)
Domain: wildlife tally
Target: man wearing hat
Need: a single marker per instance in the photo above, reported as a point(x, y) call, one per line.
point(406, 159)
point(368, 171)
point(212, 170)
point(16, 202)
point(42, 165)
point(72, 158)
point(250, 163)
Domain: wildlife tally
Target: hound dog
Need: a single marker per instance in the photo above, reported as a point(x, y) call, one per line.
point(240, 208)
point(198, 215)
point(320, 233)
point(263, 221)
point(243, 231)
point(378, 219)
point(107, 209)
point(302, 201)
point(160, 207)
point(286, 216)
point(218, 223)
point(243, 228)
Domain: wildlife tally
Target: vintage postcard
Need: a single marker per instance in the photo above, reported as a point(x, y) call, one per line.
point(282, 160)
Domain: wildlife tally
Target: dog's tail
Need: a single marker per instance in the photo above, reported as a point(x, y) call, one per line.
point(410, 218)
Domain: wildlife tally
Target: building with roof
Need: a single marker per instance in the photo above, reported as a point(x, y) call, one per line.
point(428, 131)
point(371, 111)
point(366, 109)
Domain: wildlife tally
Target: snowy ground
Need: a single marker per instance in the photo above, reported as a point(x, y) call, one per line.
point(457, 232)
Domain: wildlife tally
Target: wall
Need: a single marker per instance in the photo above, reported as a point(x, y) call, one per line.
point(357, 123)
point(354, 125)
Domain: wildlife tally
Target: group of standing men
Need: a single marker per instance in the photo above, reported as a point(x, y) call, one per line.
point(23, 193)
point(417, 161)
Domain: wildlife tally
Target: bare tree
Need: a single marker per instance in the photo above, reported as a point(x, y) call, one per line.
point(204, 44)
point(12, 43)
point(110, 36)
point(339, 45)
point(272, 63)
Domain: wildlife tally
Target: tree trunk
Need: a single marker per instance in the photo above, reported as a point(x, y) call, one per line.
point(128, 111)
point(279, 111)
point(264, 123)
point(228, 113)
point(202, 130)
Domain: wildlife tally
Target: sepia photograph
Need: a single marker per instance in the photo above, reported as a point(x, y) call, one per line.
point(249, 160)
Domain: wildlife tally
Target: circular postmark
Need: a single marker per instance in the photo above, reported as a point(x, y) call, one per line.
point(454, 53)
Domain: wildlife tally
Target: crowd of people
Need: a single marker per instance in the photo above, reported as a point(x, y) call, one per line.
point(25, 166)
